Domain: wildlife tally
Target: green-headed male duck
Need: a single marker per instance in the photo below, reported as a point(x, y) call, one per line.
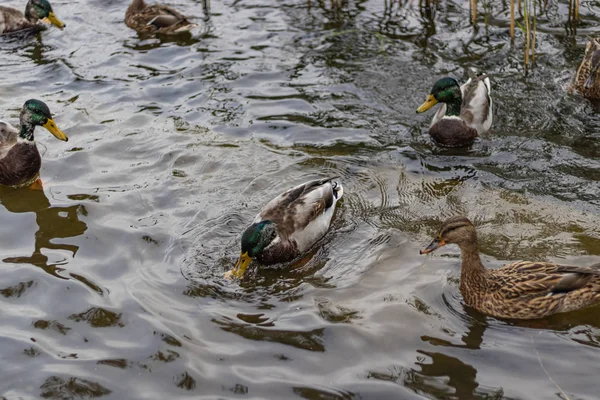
point(465, 113)
point(289, 225)
point(12, 20)
point(20, 160)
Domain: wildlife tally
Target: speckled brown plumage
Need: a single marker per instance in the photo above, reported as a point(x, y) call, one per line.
point(156, 18)
point(587, 79)
point(521, 290)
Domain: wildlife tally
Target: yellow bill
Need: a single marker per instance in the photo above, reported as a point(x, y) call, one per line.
point(240, 267)
point(430, 102)
point(53, 129)
point(52, 19)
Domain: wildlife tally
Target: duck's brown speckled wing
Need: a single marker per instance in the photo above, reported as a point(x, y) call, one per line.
point(528, 290)
point(590, 58)
point(156, 18)
point(294, 209)
point(526, 277)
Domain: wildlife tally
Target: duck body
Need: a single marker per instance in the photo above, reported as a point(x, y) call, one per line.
point(12, 20)
point(520, 290)
point(465, 113)
point(290, 224)
point(20, 160)
point(156, 18)
point(587, 79)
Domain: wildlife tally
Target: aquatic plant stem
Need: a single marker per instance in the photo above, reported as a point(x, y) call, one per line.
point(534, 32)
point(526, 14)
point(512, 20)
point(537, 353)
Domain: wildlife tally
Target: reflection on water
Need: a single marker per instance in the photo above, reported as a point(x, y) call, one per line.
point(176, 144)
point(53, 223)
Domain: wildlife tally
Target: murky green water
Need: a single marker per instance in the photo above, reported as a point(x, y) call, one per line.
point(111, 281)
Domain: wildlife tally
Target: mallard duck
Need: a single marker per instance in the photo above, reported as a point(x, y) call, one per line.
point(20, 160)
point(157, 18)
point(12, 20)
point(521, 290)
point(466, 112)
point(587, 79)
point(289, 225)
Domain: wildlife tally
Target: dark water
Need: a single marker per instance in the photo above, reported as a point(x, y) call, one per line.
point(111, 281)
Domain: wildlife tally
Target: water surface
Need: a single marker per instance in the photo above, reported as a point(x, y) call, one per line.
point(112, 276)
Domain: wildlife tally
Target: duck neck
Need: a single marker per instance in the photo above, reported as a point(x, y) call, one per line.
point(453, 106)
point(26, 132)
point(29, 16)
point(473, 273)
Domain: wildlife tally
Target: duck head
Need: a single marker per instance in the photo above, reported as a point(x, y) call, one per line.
point(42, 10)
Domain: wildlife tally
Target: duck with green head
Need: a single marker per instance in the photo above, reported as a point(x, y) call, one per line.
point(289, 225)
point(587, 79)
point(20, 160)
point(12, 20)
point(466, 110)
point(156, 18)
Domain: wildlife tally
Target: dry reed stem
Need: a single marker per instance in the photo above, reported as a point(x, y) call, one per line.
point(526, 36)
point(534, 33)
point(512, 20)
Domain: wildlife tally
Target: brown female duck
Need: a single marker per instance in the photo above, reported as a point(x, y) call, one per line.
point(156, 18)
point(20, 160)
point(521, 290)
point(465, 113)
point(12, 20)
point(587, 79)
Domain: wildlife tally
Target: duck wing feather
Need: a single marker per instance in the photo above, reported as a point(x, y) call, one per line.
point(476, 109)
point(295, 209)
point(8, 138)
point(12, 20)
point(524, 278)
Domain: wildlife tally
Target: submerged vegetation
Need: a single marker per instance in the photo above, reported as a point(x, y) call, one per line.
point(523, 16)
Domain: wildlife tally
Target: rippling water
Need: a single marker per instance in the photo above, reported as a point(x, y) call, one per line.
point(112, 277)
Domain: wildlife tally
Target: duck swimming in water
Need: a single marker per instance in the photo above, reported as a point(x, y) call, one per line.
point(20, 160)
point(289, 225)
point(587, 79)
point(157, 18)
point(12, 20)
point(466, 111)
point(521, 290)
